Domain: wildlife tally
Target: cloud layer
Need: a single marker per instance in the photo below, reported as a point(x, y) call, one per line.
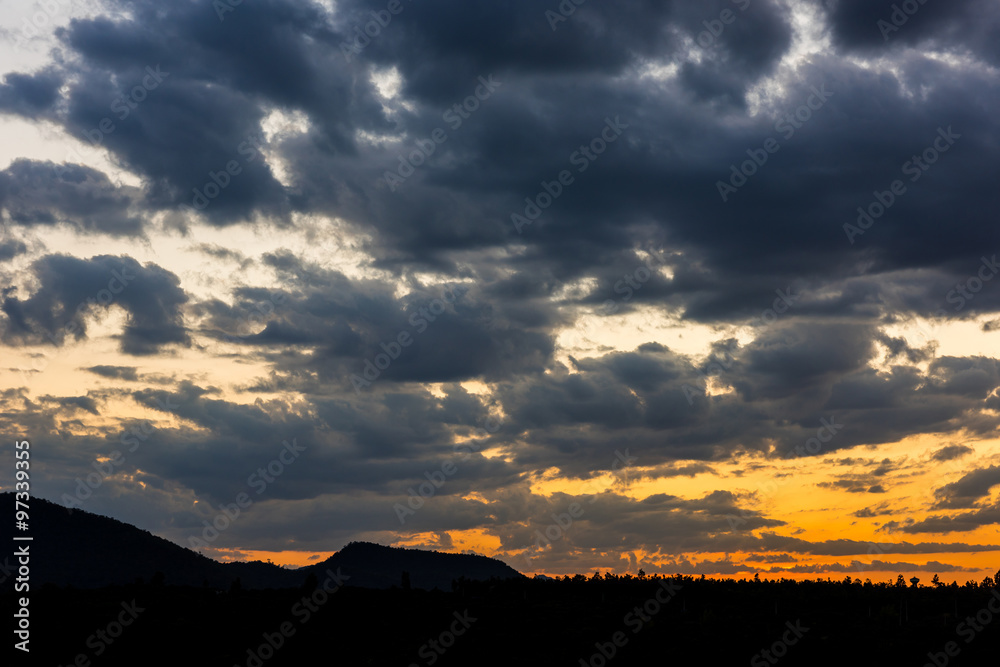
point(523, 208)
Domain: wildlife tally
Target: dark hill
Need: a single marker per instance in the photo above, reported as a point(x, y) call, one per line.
point(78, 548)
point(375, 566)
point(85, 550)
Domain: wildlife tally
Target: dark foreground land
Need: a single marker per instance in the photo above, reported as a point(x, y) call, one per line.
point(672, 621)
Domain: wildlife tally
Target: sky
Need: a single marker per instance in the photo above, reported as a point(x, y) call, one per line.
point(697, 287)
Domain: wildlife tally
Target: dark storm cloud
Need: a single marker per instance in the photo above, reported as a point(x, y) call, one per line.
point(221, 253)
point(690, 470)
point(71, 403)
point(568, 419)
point(481, 36)
point(958, 523)
point(869, 481)
point(871, 512)
point(857, 567)
point(116, 372)
point(773, 542)
point(43, 193)
point(71, 288)
point(878, 25)
point(785, 384)
point(11, 248)
point(384, 446)
point(664, 169)
point(793, 359)
point(948, 398)
point(449, 333)
point(178, 95)
point(899, 348)
point(182, 135)
point(951, 452)
point(607, 521)
point(29, 94)
point(471, 38)
point(749, 46)
point(854, 486)
point(969, 490)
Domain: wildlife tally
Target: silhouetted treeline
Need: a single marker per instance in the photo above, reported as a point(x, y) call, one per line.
point(695, 620)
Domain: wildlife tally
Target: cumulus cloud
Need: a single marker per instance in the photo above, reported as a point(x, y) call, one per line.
point(71, 288)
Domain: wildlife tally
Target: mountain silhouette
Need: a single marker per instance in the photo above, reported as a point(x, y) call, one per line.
point(85, 550)
point(375, 566)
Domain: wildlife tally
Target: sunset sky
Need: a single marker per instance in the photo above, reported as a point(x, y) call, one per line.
point(699, 287)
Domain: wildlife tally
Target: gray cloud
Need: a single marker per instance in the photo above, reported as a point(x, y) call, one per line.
point(71, 288)
point(43, 193)
point(969, 490)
